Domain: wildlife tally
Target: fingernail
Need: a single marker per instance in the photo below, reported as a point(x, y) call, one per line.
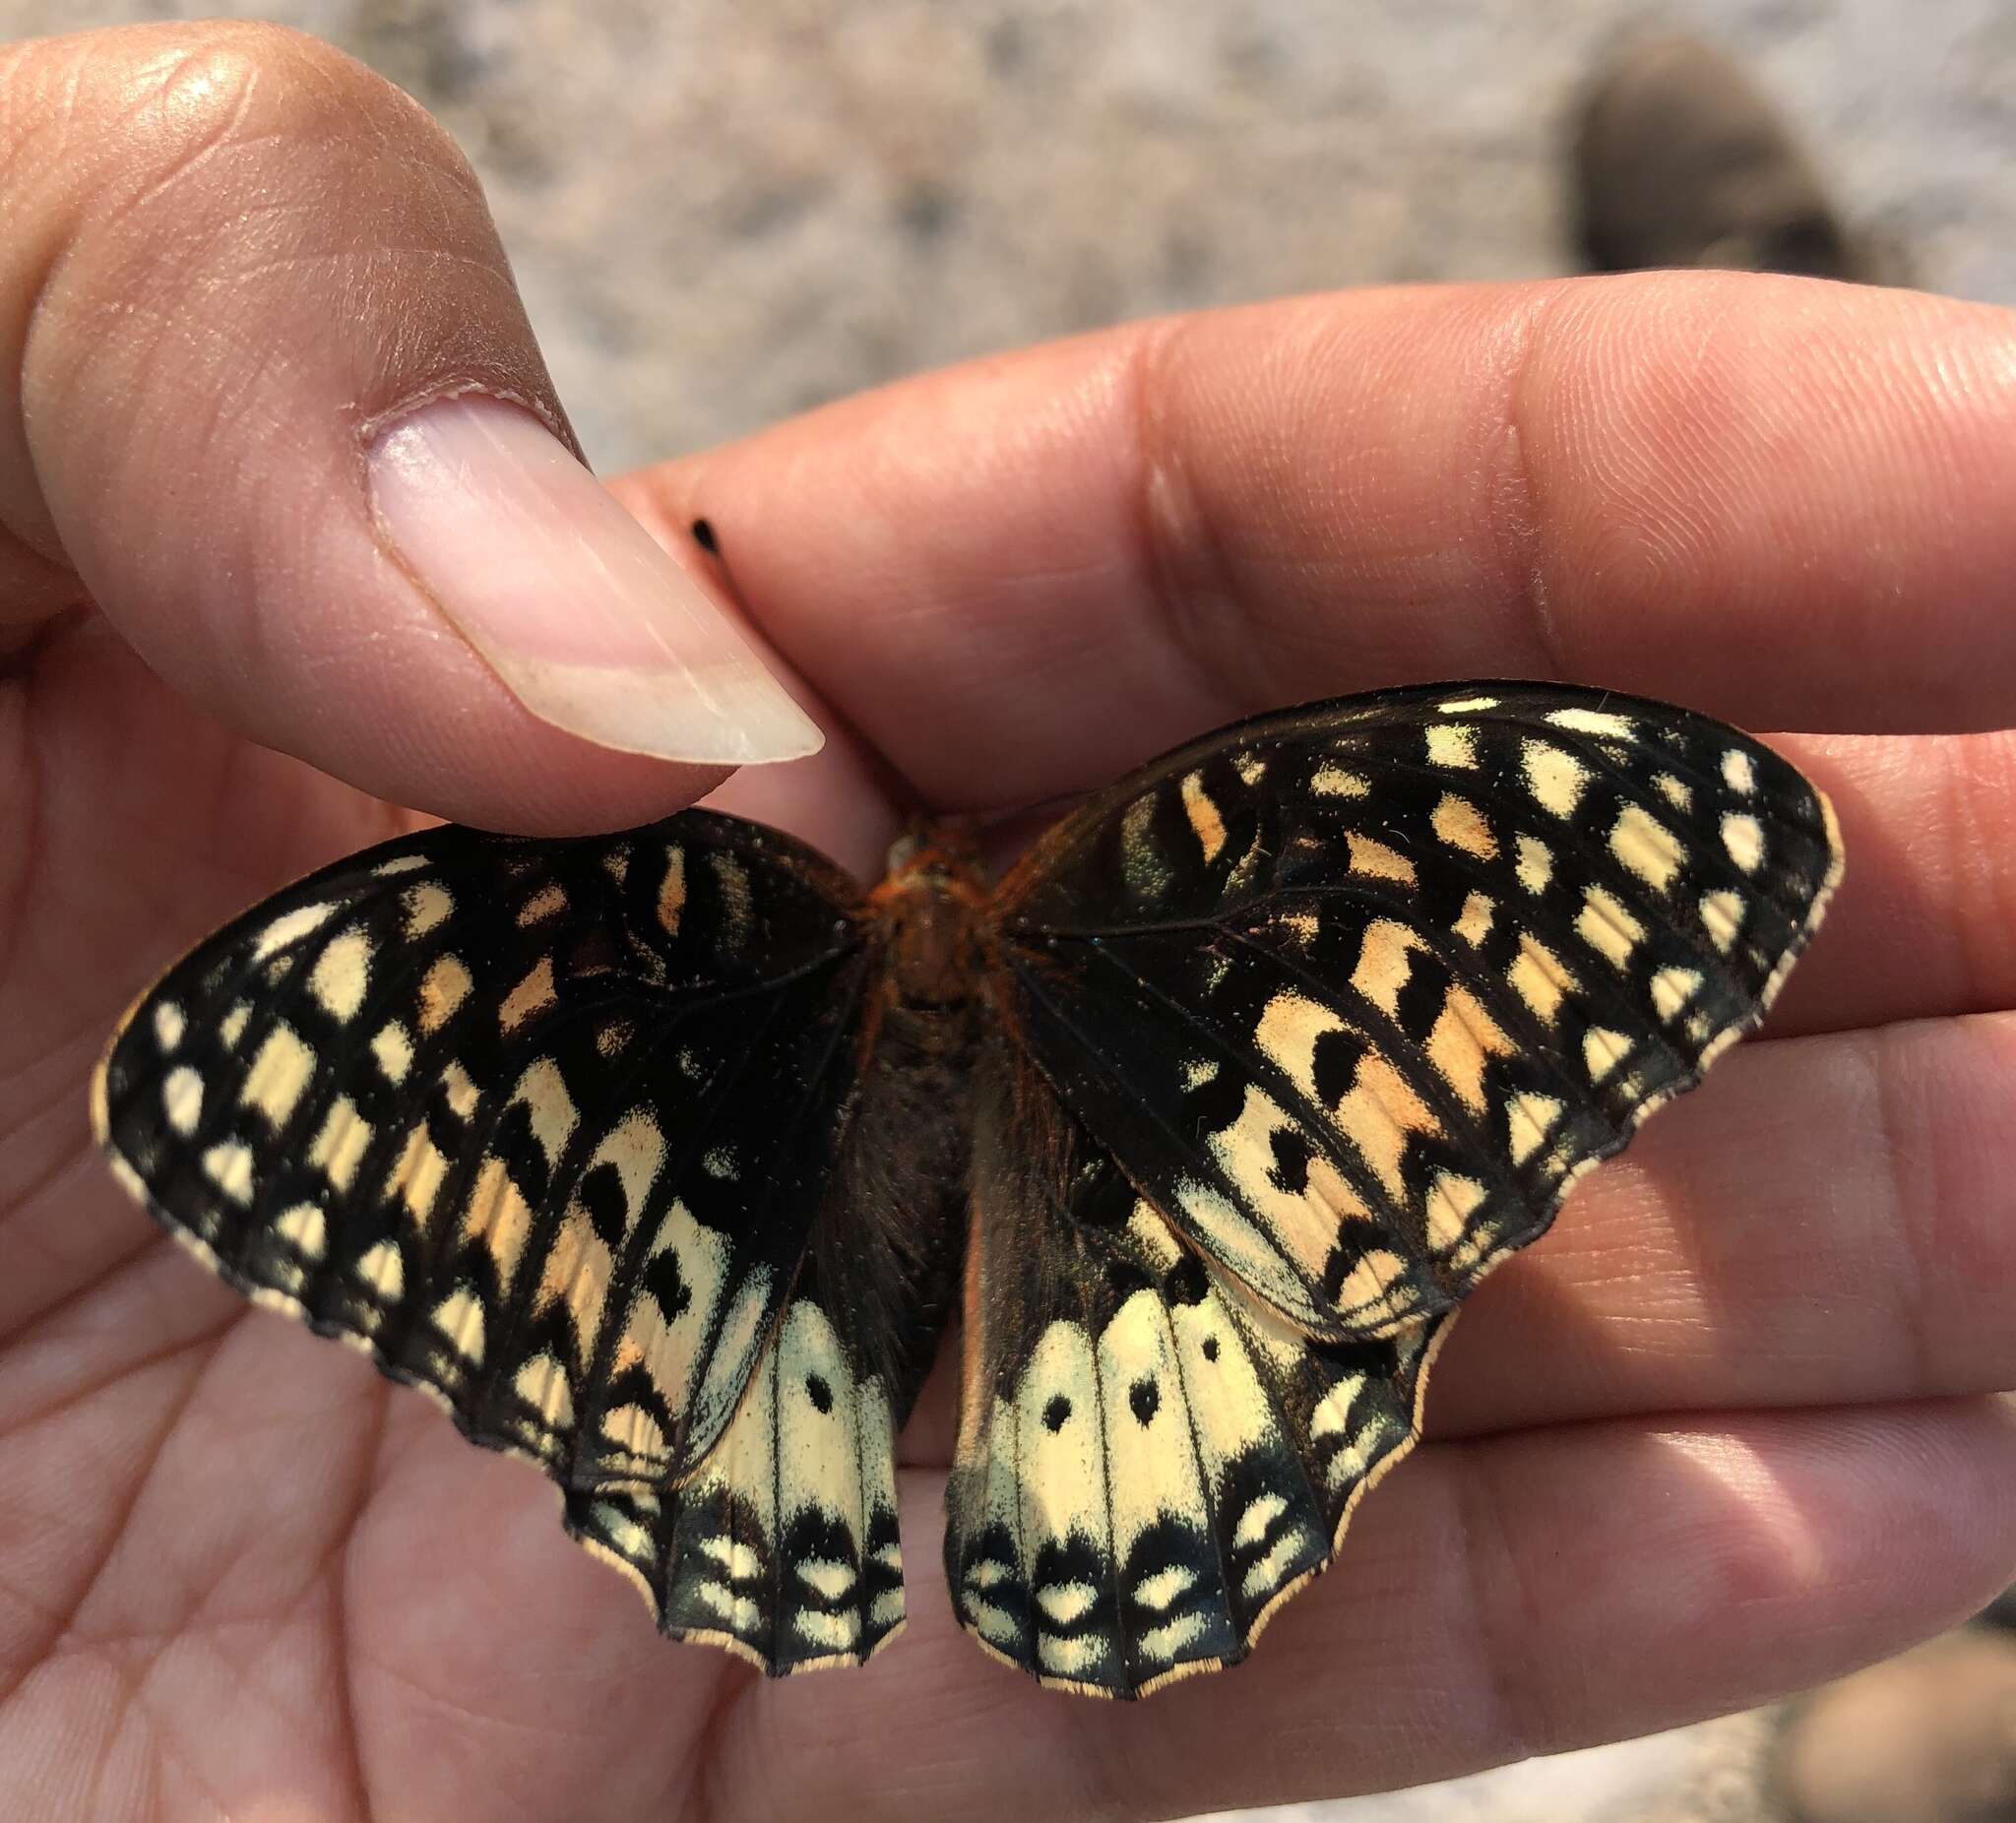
point(566, 596)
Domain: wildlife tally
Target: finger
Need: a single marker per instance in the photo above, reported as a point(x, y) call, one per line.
point(1494, 1600)
point(1824, 1222)
point(1782, 501)
point(267, 397)
point(1919, 927)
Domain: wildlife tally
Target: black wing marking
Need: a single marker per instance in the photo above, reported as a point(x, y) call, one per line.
point(1151, 1460)
point(1354, 992)
point(545, 1127)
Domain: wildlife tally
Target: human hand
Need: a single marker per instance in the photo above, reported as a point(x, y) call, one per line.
point(1727, 1431)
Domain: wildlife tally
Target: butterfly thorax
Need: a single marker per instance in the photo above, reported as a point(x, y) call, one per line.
point(930, 909)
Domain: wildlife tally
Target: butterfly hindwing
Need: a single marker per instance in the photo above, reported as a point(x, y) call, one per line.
point(1353, 992)
point(547, 1128)
point(1149, 1458)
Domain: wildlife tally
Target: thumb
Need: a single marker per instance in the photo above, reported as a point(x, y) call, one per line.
point(269, 400)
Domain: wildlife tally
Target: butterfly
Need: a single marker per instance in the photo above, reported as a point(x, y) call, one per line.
point(662, 1158)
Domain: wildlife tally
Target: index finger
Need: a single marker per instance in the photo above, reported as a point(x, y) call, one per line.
point(1781, 501)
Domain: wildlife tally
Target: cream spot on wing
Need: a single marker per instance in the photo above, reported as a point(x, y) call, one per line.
point(341, 972)
point(1368, 1286)
point(1066, 1658)
point(305, 1226)
point(1475, 925)
point(1378, 1115)
point(1722, 917)
point(341, 1144)
point(1737, 773)
point(1539, 978)
point(826, 1576)
point(1461, 824)
point(542, 1383)
point(1607, 925)
point(671, 890)
point(1065, 1603)
point(549, 1109)
point(533, 994)
point(383, 1268)
point(1303, 1225)
point(228, 1166)
point(574, 1275)
point(1602, 1050)
point(415, 1179)
point(1383, 963)
point(1464, 705)
point(633, 1431)
point(1743, 836)
point(1677, 791)
point(182, 1100)
point(422, 906)
point(616, 864)
point(398, 863)
point(1206, 823)
point(1450, 744)
point(1592, 722)
point(1529, 1119)
point(443, 987)
point(290, 927)
point(1461, 1041)
point(1165, 1641)
point(1376, 861)
point(1452, 1201)
point(731, 882)
point(1672, 989)
point(1251, 767)
point(1329, 780)
point(233, 1026)
point(169, 1025)
point(459, 1318)
point(1644, 845)
point(1536, 866)
point(497, 1214)
point(1256, 1520)
point(1555, 777)
point(392, 1045)
point(1159, 1589)
point(1304, 927)
point(548, 901)
point(280, 1072)
point(460, 1090)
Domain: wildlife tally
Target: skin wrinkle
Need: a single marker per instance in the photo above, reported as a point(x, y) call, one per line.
point(1877, 1055)
point(1517, 1723)
point(1176, 535)
point(72, 1612)
point(1516, 516)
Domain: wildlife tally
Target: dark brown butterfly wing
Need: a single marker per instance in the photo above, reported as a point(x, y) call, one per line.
point(1329, 1009)
point(547, 1128)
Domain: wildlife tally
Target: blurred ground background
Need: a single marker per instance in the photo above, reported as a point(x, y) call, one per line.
point(722, 211)
point(725, 211)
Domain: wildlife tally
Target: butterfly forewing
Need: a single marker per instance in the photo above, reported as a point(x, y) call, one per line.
point(547, 1126)
point(1353, 992)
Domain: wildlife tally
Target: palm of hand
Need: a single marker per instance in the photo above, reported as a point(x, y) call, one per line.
point(240, 1565)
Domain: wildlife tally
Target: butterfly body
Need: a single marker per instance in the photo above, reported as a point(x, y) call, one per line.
point(662, 1158)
